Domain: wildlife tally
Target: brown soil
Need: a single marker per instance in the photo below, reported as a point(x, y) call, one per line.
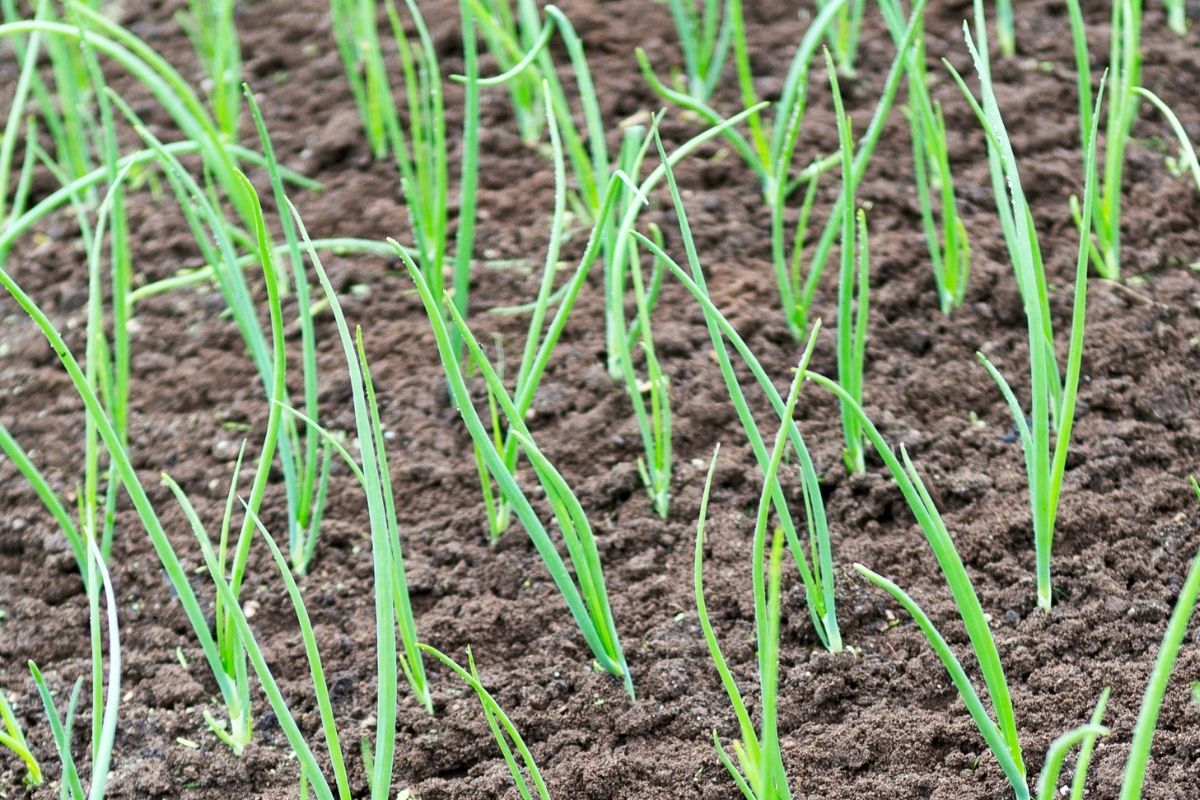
point(881, 720)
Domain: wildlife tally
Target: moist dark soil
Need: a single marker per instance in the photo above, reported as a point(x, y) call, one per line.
point(880, 719)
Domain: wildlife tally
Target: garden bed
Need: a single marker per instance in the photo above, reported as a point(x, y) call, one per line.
point(879, 719)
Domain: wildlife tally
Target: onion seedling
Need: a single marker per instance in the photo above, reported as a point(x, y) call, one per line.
point(769, 152)
point(508, 35)
point(1124, 70)
point(585, 595)
point(356, 31)
point(1052, 402)
point(148, 68)
point(815, 566)
point(307, 501)
point(212, 31)
point(228, 639)
point(586, 151)
point(653, 419)
point(540, 344)
point(759, 771)
point(502, 728)
point(997, 726)
point(13, 738)
point(1004, 741)
point(590, 164)
point(853, 286)
point(1083, 736)
point(378, 768)
point(949, 251)
point(94, 408)
point(392, 606)
point(62, 96)
point(1005, 27)
point(27, 52)
point(805, 292)
point(420, 149)
point(540, 339)
point(612, 228)
point(1187, 152)
point(771, 158)
point(1177, 15)
point(1147, 719)
point(107, 693)
point(705, 30)
point(238, 731)
point(299, 460)
point(843, 39)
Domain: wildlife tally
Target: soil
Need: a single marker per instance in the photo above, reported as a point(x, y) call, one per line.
point(880, 719)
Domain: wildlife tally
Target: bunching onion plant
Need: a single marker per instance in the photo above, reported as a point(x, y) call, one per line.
point(419, 148)
point(586, 149)
point(210, 26)
point(814, 562)
point(624, 198)
point(853, 286)
point(757, 763)
point(502, 728)
point(585, 593)
point(392, 608)
point(592, 164)
point(843, 37)
point(106, 692)
point(1045, 432)
point(1124, 75)
point(509, 33)
point(705, 30)
point(110, 362)
point(949, 250)
point(997, 725)
point(770, 151)
point(224, 647)
point(12, 738)
point(1187, 152)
